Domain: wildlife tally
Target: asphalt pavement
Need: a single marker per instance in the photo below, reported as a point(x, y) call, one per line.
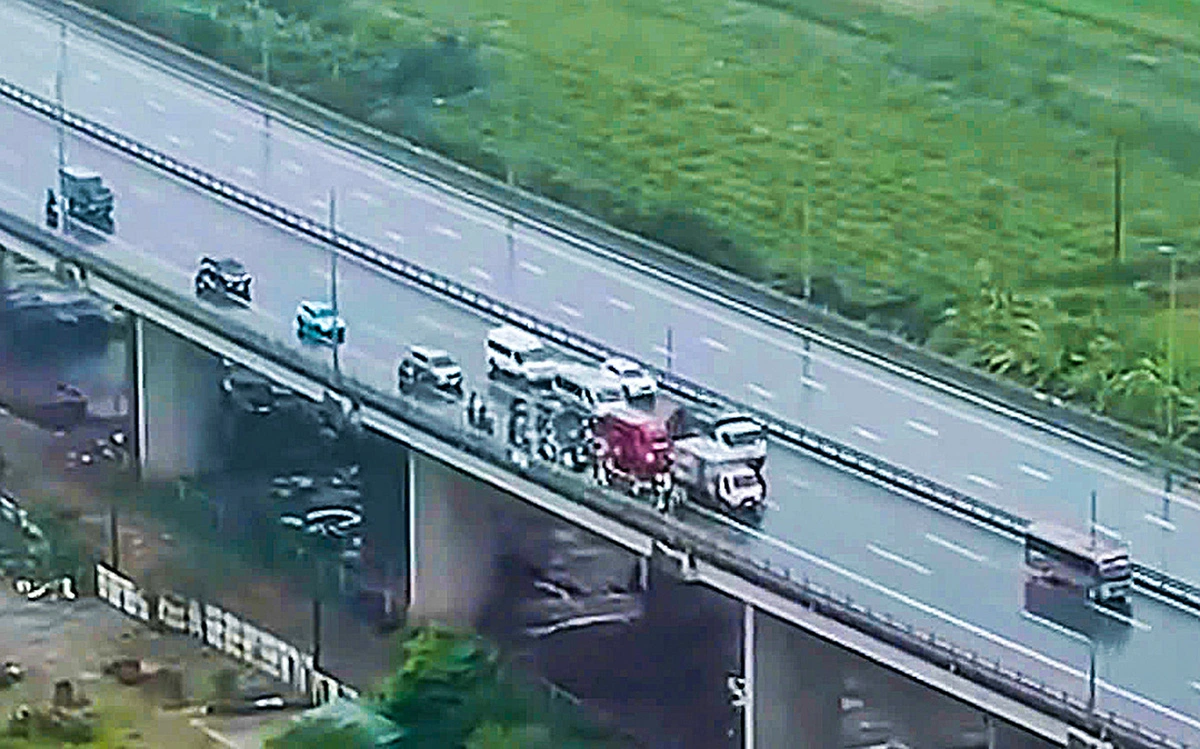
point(164, 227)
point(987, 454)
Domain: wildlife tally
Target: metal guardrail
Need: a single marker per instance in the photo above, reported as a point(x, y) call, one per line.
point(639, 516)
point(969, 664)
point(1148, 578)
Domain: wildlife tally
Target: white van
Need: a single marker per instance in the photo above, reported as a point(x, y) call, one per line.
point(588, 388)
point(520, 354)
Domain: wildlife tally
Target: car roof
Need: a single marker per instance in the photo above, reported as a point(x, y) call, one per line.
point(619, 363)
point(585, 374)
point(228, 264)
point(316, 305)
point(514, 337)
point(429, 352)
point(78, 172)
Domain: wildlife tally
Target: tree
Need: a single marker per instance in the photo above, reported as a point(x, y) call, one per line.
point(441, 691)
point(491, 735)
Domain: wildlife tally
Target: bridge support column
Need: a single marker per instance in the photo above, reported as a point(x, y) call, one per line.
point(794, 702)
point(452, 543)
point(176, 404)
point(749, 631)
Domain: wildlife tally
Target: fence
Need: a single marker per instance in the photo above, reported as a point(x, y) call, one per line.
point(221, 630)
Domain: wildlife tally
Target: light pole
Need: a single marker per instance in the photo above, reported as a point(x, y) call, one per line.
point(58, 93)
point(1078, 637)
point(1169, 251)
point(512, 253)
point(805, 239)
point(333, 299)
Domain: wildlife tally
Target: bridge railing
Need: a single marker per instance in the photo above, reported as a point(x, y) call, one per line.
point(729, 554)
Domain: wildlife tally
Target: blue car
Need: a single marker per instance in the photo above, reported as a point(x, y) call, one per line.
point(317, 322)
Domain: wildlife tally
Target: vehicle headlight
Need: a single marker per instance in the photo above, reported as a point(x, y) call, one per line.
point(650, 457)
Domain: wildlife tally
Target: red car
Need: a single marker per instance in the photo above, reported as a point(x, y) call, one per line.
point(636, 450)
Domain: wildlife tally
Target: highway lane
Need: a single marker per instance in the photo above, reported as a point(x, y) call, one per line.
point(922, 556)
point(965, 446)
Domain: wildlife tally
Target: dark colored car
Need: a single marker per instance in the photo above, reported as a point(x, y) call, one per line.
point(227, 278)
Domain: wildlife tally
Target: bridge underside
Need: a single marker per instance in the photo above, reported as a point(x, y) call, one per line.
point(473, 553)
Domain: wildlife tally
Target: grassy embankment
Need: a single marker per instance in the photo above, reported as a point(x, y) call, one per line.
point(954, 156)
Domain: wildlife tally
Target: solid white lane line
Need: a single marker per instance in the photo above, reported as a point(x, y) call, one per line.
point(1121, 617)
point(395, 236)
point(1160, 522)
point(1077, 636)
point(293, 167)
point(247, 171)
point(867, 435)
point(446, 232)
point(530, 267)
point(891, 557)
point(155, 106)
point(922, 428)
point(570, 311)
point(1110, 532)
point(813, 384)
point(480, 272)
point(976, 478)
point(223, 136)
point(364, 196)
point(1031, 471)
point(962, 550)
point(714, 343)
point(799, 483)
point(626, 306)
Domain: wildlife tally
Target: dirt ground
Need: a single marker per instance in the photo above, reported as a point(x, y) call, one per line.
point(76, 639)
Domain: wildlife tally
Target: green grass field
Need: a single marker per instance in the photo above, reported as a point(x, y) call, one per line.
point(943, 148)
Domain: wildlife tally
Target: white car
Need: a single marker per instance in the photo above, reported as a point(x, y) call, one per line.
point(316, 321)
point(432, 365)
point(635, 383)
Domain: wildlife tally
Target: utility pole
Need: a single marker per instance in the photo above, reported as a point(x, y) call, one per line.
point(806, 238)
point(114, 538)
point(1118, 245)
point(512, 253)
point(266, 33)
point(1093, 525)
point(333, 299)
point(58, 93)
point(670, 349)
point(1169, 251)
point(1091, 676)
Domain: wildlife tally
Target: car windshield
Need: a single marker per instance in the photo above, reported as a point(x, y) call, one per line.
point(534, 355)
point(626, 370)
point(441, 362)
point(608, 395)
point(321, 311)
point(744, 482)
point(743, 437)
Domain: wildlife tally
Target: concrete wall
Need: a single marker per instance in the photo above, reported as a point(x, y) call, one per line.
point(176, 404)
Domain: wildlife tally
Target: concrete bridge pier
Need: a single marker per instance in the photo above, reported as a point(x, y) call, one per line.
point(176, 404)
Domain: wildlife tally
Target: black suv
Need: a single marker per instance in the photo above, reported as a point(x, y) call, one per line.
point(226, 277)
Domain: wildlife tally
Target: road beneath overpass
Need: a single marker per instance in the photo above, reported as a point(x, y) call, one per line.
point(970, 448)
